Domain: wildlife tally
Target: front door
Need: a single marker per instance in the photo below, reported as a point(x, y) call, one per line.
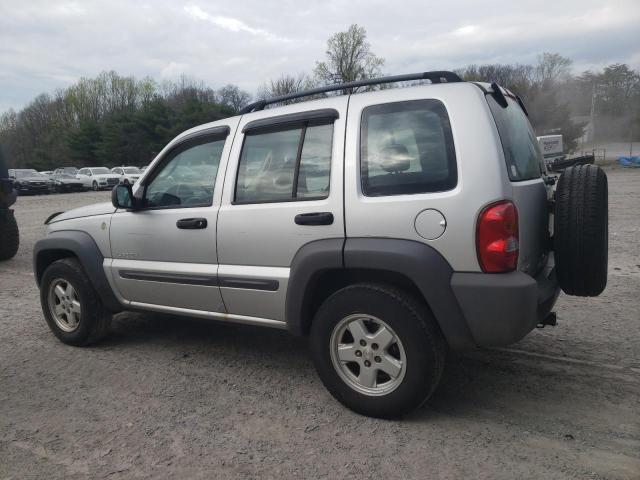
point(164, 254)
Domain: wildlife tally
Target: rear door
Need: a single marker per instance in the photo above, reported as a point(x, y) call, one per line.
point(283, 189)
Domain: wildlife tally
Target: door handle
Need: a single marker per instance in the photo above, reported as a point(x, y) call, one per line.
point(316, 218)
point(192, 223)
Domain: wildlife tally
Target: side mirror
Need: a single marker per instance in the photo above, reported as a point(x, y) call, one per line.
point(122, 197)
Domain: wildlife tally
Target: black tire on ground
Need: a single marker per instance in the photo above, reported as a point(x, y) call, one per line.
point(95, 186)
point(413, 324)
point(95, 319)
point(581, 230)
point(9, 235)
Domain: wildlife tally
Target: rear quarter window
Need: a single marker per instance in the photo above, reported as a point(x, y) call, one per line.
point(406, 148)
point(519, 142)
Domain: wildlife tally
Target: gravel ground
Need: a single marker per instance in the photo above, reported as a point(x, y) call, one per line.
point(176, 398)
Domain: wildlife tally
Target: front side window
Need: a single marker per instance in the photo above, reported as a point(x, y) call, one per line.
point(406, 148)
point(519, 142)
point(285, 165)
point(187, 177)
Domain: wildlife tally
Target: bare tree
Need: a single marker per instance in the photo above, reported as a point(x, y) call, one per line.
point(349, 58)
point(231, 96)
point(552, 67)
point(285, 85)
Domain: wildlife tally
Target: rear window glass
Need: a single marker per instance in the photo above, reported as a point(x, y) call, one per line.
point(405, 148)
point(519, 142)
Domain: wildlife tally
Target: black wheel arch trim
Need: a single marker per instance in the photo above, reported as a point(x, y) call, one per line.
point(420, 263)
point(82, 246)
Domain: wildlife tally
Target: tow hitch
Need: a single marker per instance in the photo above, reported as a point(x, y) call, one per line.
point(550, 320)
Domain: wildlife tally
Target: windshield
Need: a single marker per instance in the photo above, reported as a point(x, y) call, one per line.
point(70, 170)
point(99, 170)
point(519, 142)
point(131, 170)
point(27, 173)
point(64, 175)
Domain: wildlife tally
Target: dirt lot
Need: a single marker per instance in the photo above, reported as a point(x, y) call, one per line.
point(170, 397)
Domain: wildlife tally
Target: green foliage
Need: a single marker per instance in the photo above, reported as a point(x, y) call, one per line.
point(110, 120)
point(113, 120)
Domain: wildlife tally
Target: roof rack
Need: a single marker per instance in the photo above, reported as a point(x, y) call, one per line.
point(435, 77)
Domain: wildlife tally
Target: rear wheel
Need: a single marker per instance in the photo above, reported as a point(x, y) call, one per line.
point(377, 350)
point(71, 306)
point(9, 235)
point(581, 230)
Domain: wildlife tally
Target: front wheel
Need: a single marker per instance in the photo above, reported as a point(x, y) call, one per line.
point(95, 186)
point(71, 306)
point(377, 350)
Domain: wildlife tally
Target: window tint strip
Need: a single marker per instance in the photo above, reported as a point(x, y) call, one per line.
point(291, 120)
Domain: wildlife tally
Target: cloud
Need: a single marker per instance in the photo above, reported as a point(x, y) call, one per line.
point(226, 23)
point(48, 44)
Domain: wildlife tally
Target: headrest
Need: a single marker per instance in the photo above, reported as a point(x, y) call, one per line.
point(395, 158)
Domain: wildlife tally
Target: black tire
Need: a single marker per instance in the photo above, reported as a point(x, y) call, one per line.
point(125, 182)
point(95, 319)
point(9, 235)
point(95, 186)
point(581, 230)
point(423, 343)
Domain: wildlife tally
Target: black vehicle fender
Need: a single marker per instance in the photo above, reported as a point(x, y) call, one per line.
point(421, 264)
point(74, 243)
point(310, 262)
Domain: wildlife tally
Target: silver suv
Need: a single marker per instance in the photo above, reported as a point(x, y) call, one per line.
point(389, 226)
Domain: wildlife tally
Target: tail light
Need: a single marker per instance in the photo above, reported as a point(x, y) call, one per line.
point(497, 238)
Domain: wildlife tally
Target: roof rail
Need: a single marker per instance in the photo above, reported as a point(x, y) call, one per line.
point(435, 77)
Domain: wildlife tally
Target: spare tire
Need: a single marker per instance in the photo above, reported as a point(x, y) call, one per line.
point(581, 230)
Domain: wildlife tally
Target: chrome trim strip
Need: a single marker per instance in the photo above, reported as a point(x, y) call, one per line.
point(228, 317)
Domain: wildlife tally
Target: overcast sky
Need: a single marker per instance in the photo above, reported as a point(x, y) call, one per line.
point(46, 44)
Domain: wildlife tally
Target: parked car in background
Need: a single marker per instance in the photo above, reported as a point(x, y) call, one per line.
point(64, 182)
point(28, 180)
point(67, 170)
point(128, 175)
point(144, 169)
point(50, 182)
point(99, 178)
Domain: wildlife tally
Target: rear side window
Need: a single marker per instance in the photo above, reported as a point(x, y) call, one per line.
point(405, 148)
point(519, 143)
point(285, 165)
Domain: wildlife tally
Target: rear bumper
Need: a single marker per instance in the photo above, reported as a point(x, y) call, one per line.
point(500, 309)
